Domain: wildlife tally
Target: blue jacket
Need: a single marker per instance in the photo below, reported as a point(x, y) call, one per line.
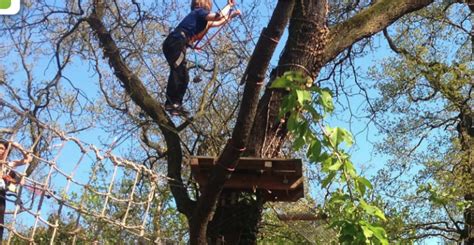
point(193, 24)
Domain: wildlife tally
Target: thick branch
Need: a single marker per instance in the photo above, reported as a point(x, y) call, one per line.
point(137, 91)
point(367, 23)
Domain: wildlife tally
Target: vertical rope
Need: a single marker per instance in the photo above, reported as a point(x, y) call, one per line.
point(147, 209)
point(111, 185)
point(136, 203)
point(131, 198)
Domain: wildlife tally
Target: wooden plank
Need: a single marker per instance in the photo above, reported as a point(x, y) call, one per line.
point(276, 167)
point(255, 163)
point(253, 182)
point(194, 161)
point(276, 173)
point(281, 179)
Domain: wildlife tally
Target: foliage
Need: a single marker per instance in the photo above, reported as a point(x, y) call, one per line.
point(424, 93)
point(356, 220)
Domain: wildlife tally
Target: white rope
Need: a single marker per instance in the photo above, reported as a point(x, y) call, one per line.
point(49, 197)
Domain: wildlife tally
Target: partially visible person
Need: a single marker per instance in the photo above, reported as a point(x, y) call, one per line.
point(8, 175)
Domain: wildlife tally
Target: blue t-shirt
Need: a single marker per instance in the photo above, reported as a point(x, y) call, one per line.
point(194, 23)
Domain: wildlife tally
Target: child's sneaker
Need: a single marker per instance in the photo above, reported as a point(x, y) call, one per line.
point(171, 107)
point(180, 111)
point(176, 110)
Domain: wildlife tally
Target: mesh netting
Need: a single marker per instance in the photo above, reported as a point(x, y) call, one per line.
point(79, 192)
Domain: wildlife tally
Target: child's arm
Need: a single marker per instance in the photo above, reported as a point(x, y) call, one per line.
point(224, 19)
point(223, 14)
point(27, 158)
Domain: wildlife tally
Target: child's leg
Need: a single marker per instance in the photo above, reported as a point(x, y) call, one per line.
point(2, 211)
point(183, 76)
point(172, 89)
point(175, 52)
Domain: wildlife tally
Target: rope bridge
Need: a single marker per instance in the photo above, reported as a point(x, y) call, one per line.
point(83, 185)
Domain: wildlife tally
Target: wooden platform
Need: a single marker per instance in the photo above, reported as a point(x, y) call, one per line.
point(279, 179)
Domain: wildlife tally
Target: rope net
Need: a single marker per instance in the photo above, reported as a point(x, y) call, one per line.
point(76, 192)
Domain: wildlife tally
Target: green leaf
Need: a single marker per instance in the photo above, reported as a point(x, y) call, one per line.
point(285, 106)
point(368, 233)
point(316, 89)
point(303, 129)
point(292, 103)
point(321, 158)
point(365, 182)
point(360, 188)
point(314, 150)
point(316, 116)
point(326, 161)
point(292, 121)
point(339, 135)
point(326, 181)
point(326, 101)
point(335, 166)
point(299, 142)
point(374, 230)
point(372, 210)
point(380, 233)
point(362, 184)
point(346, 136)
point(281, 82)
point(333, 137)
point(302, 96)
point(349, 168)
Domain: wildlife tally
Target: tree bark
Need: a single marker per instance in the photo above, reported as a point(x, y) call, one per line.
point(235, 222)
point(367, 23)
point(466, 136)
point(311, 53)
point(306, 40)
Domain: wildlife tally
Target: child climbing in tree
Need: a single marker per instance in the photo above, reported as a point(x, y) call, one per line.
point(191, 29)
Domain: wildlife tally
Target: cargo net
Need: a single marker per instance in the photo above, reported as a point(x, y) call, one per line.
point(77, 193)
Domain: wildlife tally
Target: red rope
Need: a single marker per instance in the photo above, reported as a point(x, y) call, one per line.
point(212, 37)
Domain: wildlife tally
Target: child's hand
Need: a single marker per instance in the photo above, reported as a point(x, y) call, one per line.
point(15, 145)
point(235, 13)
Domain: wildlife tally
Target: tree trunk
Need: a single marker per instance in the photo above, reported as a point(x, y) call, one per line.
point(236, 219)
point(466, 135)
point(306, 41)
